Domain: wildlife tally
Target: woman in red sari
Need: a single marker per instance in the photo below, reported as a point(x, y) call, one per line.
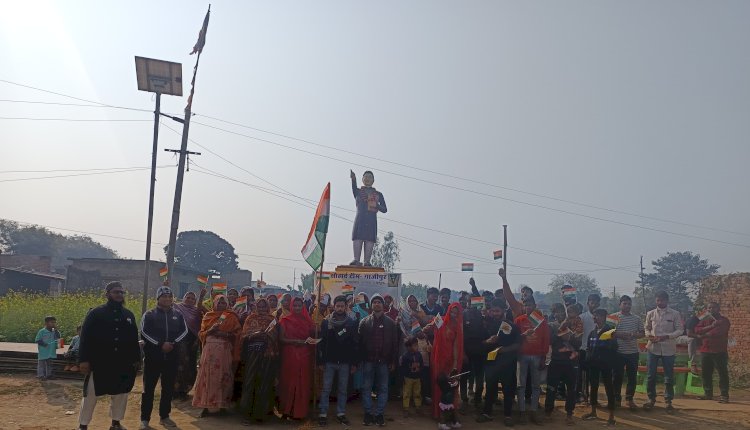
point(447, 352)
point(219, 334)
point(295, 384)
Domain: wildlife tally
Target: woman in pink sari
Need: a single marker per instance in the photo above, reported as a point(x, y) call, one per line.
point(219, 334)
point(295, 385)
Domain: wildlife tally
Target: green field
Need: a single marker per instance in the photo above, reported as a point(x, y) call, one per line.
point(22, 314)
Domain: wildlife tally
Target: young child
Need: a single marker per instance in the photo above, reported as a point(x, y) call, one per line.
point(411, 369)
point(448, 387)
point(46, 340)
point(72, 353)
point(425, 348)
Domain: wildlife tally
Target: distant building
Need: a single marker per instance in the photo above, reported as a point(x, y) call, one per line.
point(95, 273)
point(31, 273)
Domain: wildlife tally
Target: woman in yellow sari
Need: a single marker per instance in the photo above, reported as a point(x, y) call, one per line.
point(219, 338)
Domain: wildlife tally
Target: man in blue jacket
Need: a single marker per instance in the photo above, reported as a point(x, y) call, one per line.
point(161, 329)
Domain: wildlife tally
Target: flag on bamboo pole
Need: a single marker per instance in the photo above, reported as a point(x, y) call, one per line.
point(203, 280)
point(467, 267)
point(198, 47)
point(497, 254)
point(316, 239)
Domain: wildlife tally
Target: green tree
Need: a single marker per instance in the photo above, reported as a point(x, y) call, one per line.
point(387, 253)
point(583, 283)
point(38, 240)
point(203, 251)
point(419, 291)
point(677, 273)
point(308, 283)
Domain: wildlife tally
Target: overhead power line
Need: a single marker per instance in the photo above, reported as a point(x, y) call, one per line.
point(78, 174)
point(411, 167)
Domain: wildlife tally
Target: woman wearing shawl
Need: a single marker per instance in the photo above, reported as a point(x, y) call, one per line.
point(220, 329)
point(416, 311)
point(249, 304)
point(192, 311)
point(447, 352)
point(232, 296)
point(273, 303)
point(259, 354)
point(392, 307)
point(295, 385)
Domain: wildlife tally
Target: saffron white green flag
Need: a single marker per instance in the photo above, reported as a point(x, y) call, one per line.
point(316, 240)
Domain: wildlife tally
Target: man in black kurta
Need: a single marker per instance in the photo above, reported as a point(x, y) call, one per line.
point(369, 202)
point(109, 355)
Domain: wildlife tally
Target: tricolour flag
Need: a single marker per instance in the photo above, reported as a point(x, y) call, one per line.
point(703, 315)
point(613, 319)
point(219, 288)
point(198, 47)
point(438, 320)
point(536, 318)
point(241, 302)
point(477, 302)
point(563, 332)
point(316, 239)
point(568, 291)
point(347, 290)
point(163, 272)
point(467, 267)
point(415, 327)
point(497, 254)
point(505, 328)
point(202, 279)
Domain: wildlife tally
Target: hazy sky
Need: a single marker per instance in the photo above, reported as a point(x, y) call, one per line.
point(640, 107)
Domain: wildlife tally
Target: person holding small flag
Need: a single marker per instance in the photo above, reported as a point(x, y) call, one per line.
point(531, 359)
point(192, 311)
point(629, 328)
point(502, 342)
point(713, 331)
point(295, 376)
point(337, 357)
point(260, 355)
point(563, 367)
point(162, 329)
point(601, 355)
point(474, 336)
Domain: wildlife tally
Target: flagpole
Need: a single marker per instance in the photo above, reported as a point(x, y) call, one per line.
point(505, 249)
point(183, 151)
point(317, 327)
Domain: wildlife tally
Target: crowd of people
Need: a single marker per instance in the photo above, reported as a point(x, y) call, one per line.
point(279, 356)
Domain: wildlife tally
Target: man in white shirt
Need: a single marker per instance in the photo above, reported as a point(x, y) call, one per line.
point(592, 303)
point(663, 326)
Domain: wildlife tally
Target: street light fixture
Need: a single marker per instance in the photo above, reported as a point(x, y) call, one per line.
point(160, 77)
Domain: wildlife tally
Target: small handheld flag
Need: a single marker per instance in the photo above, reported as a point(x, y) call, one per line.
point(492, 355)
point(240, 303)
point(505, 328)
point(564, 332)
point(477, 302)
point(219, 288)
point(163, 272)
point(568, 292)
point(497, 254)
point(347, 290)
point(704, 314)
point(415, 327)
point(467, 267)
point(202, 279)
point(613, 319)
point(438, 320)
point(536, 318)
point(271, 325)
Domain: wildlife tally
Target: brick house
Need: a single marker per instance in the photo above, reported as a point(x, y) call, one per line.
point(31, 273)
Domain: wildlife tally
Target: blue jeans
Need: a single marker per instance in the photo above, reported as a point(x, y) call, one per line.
point(528, 364)
point(331, 369)
point(667, 362)
point(375, 374)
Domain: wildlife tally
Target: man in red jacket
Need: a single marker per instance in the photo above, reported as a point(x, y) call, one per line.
point(531, 359)
point(714, 335)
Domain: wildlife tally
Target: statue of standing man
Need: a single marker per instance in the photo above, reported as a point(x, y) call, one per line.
point(369, 202)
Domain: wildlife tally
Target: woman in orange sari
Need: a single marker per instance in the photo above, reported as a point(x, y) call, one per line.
point(295, 385)
point(447, 352)
point(260, 355)
point(219, 335)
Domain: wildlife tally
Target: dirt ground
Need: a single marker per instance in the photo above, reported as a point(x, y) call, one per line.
point(27, 404)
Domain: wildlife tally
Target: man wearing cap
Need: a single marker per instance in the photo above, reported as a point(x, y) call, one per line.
point(379, 348)
point(161, 329)
point(109, 356)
